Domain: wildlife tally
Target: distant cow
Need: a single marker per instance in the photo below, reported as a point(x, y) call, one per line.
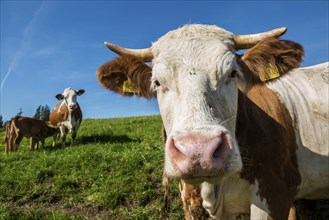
point(37, 130)
point(67, 115)
point(252, 129)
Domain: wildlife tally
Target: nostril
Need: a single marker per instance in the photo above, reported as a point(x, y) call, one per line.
point(222, 146)
point(175, 153)
point(218, 150)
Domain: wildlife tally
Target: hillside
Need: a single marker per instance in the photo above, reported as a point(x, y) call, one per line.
point(113, 172)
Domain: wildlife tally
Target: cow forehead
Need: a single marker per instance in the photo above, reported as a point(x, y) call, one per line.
point(192, 35)
point(69, 92)
point(194, 49)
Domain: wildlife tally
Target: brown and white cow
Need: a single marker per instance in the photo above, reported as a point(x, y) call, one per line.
point(35, 129)
point(252, 129)
point(67, 115)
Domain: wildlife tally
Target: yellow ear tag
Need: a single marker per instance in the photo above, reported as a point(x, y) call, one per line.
point(272, 72)
point(129, 87)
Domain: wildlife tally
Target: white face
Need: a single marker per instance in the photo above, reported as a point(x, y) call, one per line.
point(70, 98)
point(196, 87)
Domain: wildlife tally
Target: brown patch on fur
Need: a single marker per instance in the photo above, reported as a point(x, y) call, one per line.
point(283, 55)
point(192, 201)
point(57, 117)
point(268, 147)
point(112, 74)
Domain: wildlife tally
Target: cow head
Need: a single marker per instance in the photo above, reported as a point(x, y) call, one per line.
point(196, 75)
point(70, 97)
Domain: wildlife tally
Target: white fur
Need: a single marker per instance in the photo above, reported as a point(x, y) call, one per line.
point(228, 199)
point(259, 206)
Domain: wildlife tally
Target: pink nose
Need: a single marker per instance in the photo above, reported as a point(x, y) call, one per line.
point(197, 156)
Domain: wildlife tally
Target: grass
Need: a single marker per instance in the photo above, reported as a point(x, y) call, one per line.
point(113, 172)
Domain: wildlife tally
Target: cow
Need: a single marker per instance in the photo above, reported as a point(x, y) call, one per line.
point(251, 129)
point(67, 115)
point(35, 129)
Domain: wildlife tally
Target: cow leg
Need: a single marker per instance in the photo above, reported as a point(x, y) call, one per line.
point(63, 135)
point(17, 140)
point(10, 142)
point(32, 143)
point(73, 138)
point(7, 144)
point(42, 143)
point(7, 141)
point(55, 139)
point(74, 134)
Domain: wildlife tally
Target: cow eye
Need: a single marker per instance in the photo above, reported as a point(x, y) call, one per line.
point(233, 74)
point(156, 83)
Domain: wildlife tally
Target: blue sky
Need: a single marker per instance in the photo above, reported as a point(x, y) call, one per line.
point(47, 46)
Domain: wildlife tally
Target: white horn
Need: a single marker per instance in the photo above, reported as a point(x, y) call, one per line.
point(144, 54)
point(247, 41)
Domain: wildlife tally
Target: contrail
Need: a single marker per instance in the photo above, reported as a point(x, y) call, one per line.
point(21, 51)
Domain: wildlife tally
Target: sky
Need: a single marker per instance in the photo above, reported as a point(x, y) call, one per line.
point(47, 46)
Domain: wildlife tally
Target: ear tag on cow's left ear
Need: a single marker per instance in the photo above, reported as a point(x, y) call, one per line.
point(129, 87)
point(272, 72)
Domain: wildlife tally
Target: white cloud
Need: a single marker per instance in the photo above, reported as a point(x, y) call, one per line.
point(26, 39)
point(48, 51)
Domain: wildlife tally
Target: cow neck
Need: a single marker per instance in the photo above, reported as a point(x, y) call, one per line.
point(70, 114)
point(266, 137)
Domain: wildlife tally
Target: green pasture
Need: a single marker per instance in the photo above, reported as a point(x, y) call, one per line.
point(113, 172)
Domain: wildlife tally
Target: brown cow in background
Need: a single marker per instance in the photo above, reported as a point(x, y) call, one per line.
point(37, 130)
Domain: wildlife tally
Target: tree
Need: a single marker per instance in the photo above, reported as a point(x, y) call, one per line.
point(1, 122)
point(37, 114)
point(42, 112)
point(45, 113)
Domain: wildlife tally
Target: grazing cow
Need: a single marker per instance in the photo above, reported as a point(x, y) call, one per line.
point(67, 115)
point(37, 130)
point(252, 129)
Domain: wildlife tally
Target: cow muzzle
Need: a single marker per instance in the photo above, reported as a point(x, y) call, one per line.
point(199, 156)
point(72, 106)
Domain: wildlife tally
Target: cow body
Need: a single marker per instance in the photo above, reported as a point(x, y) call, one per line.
point(67, 115)
point(36, 129)
point(252, 129)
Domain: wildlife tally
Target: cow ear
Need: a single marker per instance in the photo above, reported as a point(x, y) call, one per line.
point(80, 91)
point(59, 96)
point(127, 76)
point(271, 58)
